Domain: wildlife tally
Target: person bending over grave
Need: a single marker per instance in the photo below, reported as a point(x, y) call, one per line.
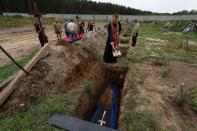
point(114, 30)
point(41, 33)
point(58, 30)
point(135, 32)
point(72, 29)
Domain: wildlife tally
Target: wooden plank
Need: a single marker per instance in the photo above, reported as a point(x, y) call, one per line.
point(12, 85)
point(7, 81)
point(4, 83)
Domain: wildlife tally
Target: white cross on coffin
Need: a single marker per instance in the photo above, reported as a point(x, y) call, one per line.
point(102, 121)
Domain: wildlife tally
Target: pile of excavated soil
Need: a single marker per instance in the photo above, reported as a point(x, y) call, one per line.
point(28, 90)
point(62, 70)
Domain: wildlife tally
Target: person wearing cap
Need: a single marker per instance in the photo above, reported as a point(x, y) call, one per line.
point(58, 30)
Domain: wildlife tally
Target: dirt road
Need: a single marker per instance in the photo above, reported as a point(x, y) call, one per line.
point(20, 42)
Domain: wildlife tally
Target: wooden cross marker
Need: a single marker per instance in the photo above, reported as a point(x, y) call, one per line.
point(36, 13)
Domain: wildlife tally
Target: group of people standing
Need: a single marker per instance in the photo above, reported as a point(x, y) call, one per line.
point(71, 29)
point(113, 40)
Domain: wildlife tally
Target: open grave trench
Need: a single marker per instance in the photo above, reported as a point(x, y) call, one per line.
point(101, 75)
point(107, 75)
point(65, 69)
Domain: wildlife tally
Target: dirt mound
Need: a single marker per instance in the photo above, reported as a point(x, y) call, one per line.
point(30, 89)
point(65, 68)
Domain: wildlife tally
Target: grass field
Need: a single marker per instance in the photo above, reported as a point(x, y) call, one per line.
point(163, 45)
point(17, 21)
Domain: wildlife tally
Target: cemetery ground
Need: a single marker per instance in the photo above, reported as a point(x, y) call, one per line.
point(159, 85)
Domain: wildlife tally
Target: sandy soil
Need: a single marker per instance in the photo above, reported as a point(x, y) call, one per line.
point(20, 42)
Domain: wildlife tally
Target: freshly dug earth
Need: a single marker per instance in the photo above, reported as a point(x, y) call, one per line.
point(30, 89)
point(80, 72)
point(101, 75)
point(62, 70)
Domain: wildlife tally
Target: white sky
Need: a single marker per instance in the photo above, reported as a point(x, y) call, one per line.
point(162, 6)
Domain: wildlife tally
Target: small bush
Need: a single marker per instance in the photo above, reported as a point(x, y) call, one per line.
point(124, 61)
point(165, 72)
point(99, 55)
point(194, 107)
point(161, 61)
point(85, 87)
point(187, 99)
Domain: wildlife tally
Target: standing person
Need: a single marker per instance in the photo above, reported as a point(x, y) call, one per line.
point(135, 32)
point(65, 27)
point(82, 26)
point(114, 30)
point(41, 33)
point(91, 26)
point(90, 29)
point(81, 29)
point(58, 30)
point(71, 29)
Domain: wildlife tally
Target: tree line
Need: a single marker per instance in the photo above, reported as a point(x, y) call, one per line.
point(76, 7)
point(185, 12)
point(69, 7)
